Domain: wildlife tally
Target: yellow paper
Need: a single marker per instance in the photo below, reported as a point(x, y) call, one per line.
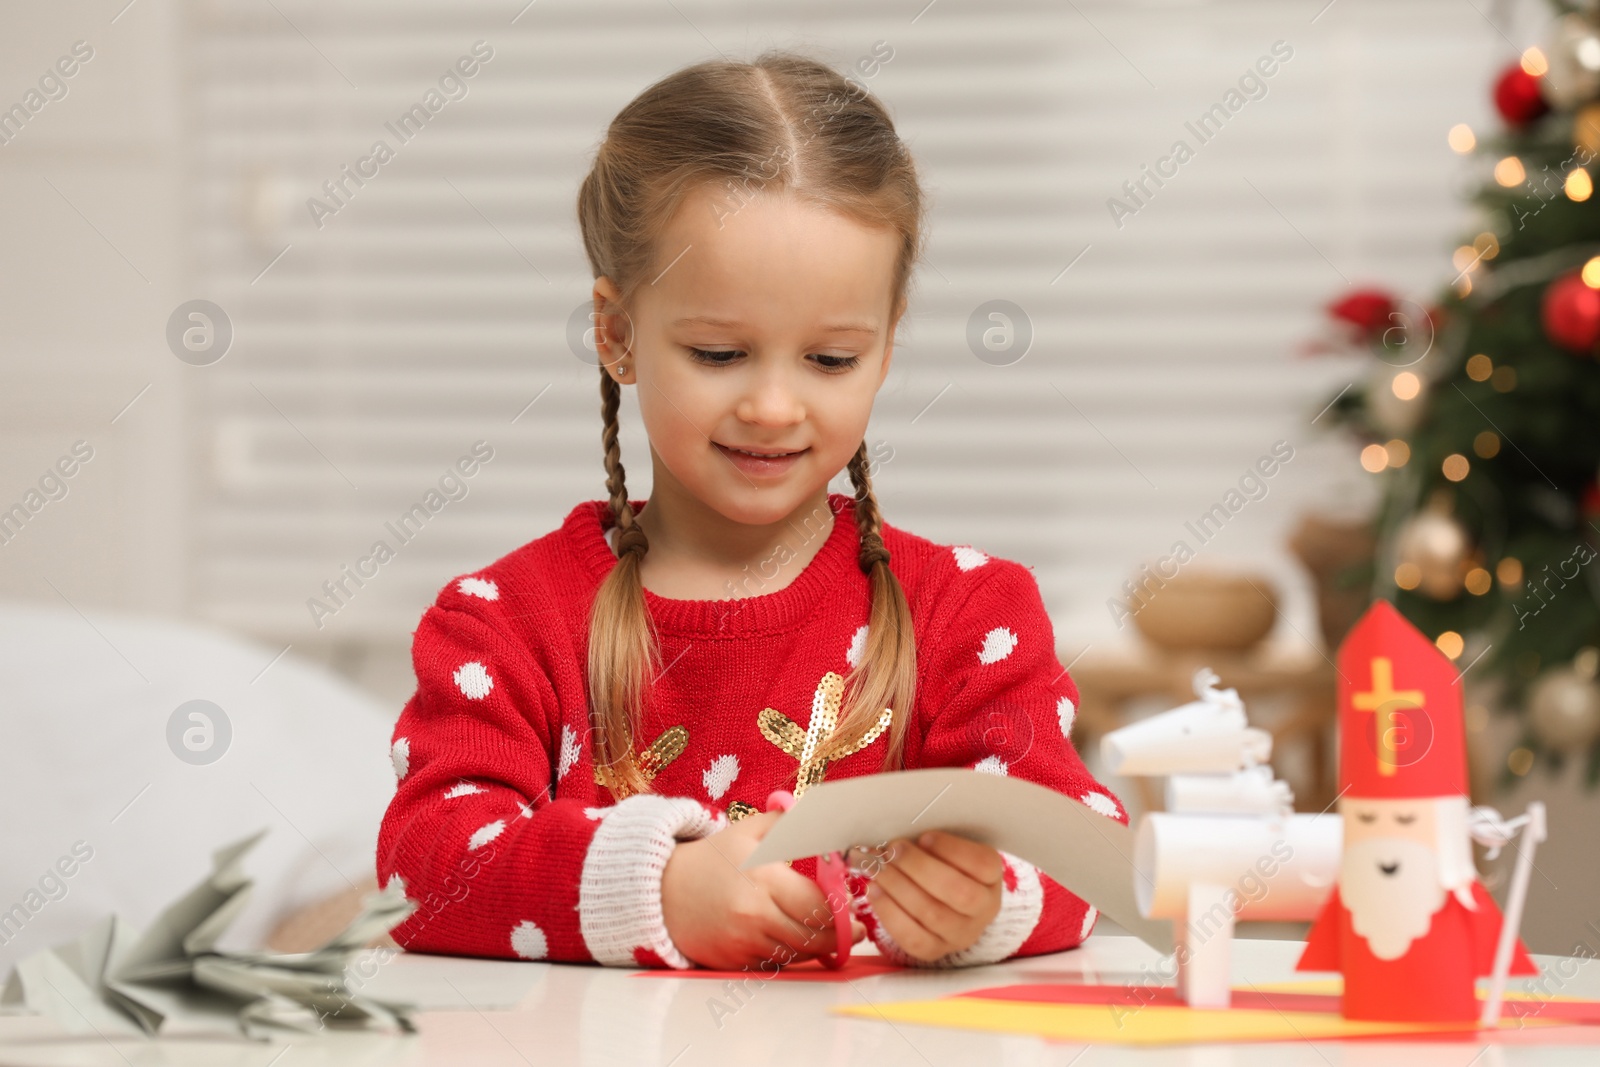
point(1150, 1025)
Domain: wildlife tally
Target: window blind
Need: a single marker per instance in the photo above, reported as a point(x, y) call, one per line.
point(424, 309)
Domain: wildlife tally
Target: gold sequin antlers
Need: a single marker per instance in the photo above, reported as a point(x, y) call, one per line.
point(812, 746)
point(662, 751)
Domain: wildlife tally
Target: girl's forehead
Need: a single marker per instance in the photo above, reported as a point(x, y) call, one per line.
point(775, 248)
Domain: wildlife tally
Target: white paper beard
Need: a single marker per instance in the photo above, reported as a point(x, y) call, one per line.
point(1390, 910)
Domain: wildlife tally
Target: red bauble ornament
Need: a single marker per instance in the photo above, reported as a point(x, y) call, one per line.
point(1517, 96)
point(1572, 314)
point(1368, 310)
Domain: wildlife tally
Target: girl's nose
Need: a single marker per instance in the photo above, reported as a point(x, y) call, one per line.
point(770, 400)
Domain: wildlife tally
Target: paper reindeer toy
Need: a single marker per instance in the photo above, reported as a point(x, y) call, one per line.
point(172, 978)
point(1408, 923)
point(1229, 848)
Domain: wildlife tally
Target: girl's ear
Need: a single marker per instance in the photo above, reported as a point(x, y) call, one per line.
point(613, 332)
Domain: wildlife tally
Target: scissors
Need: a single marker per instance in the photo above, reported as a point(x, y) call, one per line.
point(831, 872)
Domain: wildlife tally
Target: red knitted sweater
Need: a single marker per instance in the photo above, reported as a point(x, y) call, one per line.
point(500, 831)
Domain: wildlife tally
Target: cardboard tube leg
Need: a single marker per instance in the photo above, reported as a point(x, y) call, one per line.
point(1205, 955)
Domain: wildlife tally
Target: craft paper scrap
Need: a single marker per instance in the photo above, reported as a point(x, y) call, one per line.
point(172, 979)
point(809, 971)
point(1085, 851)
point(1153, 1025)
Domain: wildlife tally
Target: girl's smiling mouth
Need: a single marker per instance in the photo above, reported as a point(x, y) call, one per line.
point(761, 462)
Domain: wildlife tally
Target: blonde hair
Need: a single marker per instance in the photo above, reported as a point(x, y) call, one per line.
point(783, 121)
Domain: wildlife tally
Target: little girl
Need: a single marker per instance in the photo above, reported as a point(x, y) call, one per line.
point(601, 714)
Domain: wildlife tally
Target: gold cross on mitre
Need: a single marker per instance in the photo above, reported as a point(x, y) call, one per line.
point(813, 746)
point(662, 751)
point(1383, 700)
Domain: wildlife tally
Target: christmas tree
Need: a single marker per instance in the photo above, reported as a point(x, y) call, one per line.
point(1482, 415)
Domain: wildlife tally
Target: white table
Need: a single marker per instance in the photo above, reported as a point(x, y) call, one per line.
point(488, 1013)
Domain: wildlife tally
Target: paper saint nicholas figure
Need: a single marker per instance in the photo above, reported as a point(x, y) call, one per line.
point(1408, 923)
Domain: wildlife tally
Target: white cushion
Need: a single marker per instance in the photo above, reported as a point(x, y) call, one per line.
point(84, 713)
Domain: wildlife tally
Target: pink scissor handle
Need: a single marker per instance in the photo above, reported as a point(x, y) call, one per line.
point(831, 872)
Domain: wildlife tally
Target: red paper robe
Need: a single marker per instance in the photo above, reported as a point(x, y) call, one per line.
point(1433, 981)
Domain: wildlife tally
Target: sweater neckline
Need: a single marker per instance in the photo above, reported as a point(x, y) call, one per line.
point(758, 613)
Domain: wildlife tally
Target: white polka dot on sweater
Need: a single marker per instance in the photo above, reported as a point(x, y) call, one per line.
point(569, 751)
point(525, 811)
point(720, 775)
point(462, 789)
point(482, 587)
point(528, 941)
point(968, 558)
point(858, 647)
point(997, 645)
point(599, 813)
point(1101, 803)
point(992, 765)
point(400, 756)
point(473, 680)
point(484, 834)
point(1066, 712)
point(1088, 922)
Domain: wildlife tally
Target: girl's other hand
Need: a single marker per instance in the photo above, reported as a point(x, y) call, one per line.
point(727, 919)
point(937, 898)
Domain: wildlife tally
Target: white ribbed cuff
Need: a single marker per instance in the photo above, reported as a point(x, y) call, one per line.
point(1020, 909)
point(619, 896)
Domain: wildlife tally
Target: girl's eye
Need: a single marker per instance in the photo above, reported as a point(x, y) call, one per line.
point(1405, 820)
point(836, 364)
point(1367, 816)
point(724, 357)
point(715, 357)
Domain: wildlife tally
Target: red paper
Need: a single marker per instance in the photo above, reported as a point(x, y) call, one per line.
point(807, 971)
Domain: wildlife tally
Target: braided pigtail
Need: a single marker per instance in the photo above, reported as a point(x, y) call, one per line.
point(886, 676)
point(622, 646)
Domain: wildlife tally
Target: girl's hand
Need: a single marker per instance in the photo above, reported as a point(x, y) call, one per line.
point(727, 919)
point(938, 898)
